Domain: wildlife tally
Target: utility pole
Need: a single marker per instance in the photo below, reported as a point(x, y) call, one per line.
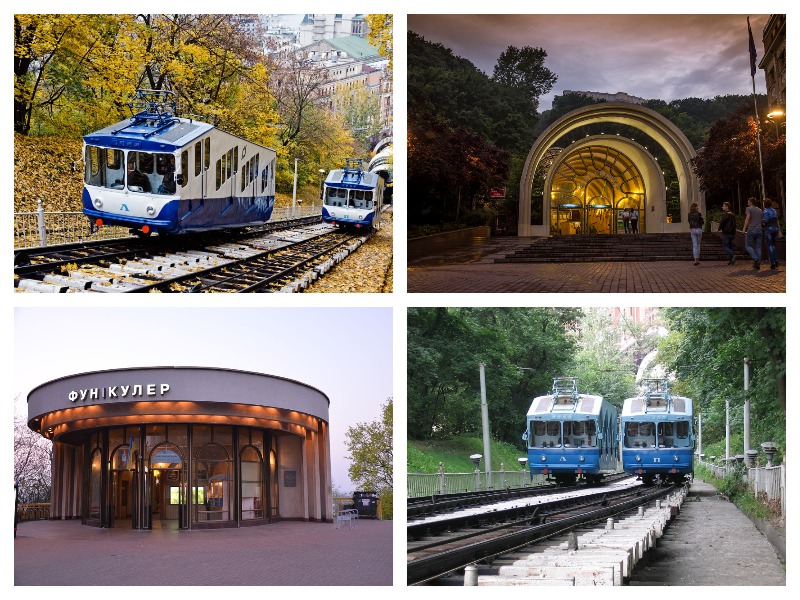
point(487, 454)
point(746, 405)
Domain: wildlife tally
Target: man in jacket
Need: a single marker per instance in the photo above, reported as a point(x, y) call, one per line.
point(727, 225)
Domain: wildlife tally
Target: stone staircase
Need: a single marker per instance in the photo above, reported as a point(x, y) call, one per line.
point(638, 247)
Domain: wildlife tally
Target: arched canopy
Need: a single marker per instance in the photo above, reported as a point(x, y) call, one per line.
point(674, 142)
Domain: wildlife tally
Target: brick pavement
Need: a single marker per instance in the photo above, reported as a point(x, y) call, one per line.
point(470, 267)
point(617, 277)
point(284, 553)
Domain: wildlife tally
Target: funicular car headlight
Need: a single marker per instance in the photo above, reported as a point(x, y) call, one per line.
point(98, 203)
point(638, 458)
point(544, 458)
point(151, 210)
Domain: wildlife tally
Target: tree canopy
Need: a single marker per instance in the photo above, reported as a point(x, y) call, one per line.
point(523, 349)
point(74, 74)
point(370, 448)
point(523, 68)
point(464, 127)
point(706, 348)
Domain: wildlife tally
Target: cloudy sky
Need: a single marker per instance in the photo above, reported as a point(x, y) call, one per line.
point(650, 56)
point(317, 346)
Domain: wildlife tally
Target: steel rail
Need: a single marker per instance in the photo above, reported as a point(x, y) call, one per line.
point(424, 569)
point(438, 503)
point(49, 259)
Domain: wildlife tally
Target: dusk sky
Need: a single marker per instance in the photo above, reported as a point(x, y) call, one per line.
point(650, 56)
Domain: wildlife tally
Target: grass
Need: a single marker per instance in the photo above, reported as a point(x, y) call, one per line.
point(424, 456)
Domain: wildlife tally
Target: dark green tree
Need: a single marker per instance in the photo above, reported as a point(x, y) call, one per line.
point(523, 68)
point(706, 348)
point(522, 348)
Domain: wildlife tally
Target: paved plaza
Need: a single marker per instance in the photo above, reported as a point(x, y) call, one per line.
point(470, 268)
point(284, 553)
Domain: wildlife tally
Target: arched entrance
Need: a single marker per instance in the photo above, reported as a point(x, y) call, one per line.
point(589, 186)
point(588, 182)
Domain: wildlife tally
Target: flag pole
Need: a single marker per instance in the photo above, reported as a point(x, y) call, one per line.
point(755, 105)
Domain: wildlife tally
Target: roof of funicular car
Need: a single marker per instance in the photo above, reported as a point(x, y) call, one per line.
point(342, 178)
point(149, 135)
point(542, 406)
point(635, 407)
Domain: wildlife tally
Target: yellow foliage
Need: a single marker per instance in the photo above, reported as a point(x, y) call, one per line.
point(380, 34)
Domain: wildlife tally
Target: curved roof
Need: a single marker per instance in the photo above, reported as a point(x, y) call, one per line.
point(101, 398)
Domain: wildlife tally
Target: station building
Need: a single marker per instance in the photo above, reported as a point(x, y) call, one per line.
point(574, 183)
point(184, 448)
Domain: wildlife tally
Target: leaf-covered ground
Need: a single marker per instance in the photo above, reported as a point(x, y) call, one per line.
point(368, 270)
point(43, 171)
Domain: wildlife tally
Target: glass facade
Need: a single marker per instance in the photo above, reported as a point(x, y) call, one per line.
point(181, 476)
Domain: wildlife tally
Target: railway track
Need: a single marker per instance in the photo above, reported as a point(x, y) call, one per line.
point(444, 503)
point(269, 259)
point(437, 548)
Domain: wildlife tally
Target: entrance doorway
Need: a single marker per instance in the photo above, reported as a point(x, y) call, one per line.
point(123, 483)
point(589, 190)
point(166, 483)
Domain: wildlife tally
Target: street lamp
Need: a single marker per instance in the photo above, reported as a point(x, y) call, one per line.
point(774, 116)
point(294, 188)
point(321, 180)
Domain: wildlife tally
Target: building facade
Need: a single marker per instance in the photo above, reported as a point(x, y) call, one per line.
point(774, 62)
point(184, 448)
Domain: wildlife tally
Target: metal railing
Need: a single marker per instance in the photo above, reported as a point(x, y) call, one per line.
point(40, 228)
point(763, 482)
point(34, 511)
point(428, 484)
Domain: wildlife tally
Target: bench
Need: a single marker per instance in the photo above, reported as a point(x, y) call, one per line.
point(344, 517)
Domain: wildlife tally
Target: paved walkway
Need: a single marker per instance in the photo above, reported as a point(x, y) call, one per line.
point(470, 268)
point(710, 542)
point(285, 553)
point(617, 277)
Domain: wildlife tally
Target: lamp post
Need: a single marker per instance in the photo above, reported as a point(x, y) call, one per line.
point(476, 460)
point(321, 180)
point(294, 189)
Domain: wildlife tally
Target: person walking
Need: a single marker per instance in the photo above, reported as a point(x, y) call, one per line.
point(753, 232)
point(626, 220)
point(727, 226)
point(771, 231)
point(696, 230)
point(634, 221)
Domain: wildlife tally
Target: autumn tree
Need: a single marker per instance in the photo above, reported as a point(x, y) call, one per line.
point(728, 165)
point(72, 72)
point(380, 35)
point(361, 111)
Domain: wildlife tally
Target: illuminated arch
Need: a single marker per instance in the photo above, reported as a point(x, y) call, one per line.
point(674, 142)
